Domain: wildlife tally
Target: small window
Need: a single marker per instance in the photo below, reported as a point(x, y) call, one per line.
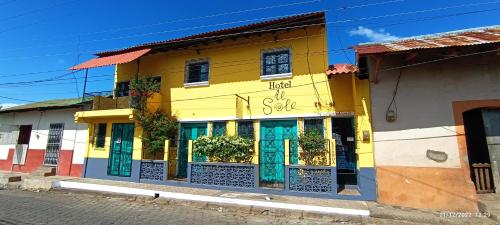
point(245, 129)
point(276, 62)
point(197, 72)
point(219, 128)
point(100, 135)
point(313, 124)
point(122, 88)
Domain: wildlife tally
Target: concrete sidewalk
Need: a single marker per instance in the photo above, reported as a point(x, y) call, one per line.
point(252, 203)
point(295, 205)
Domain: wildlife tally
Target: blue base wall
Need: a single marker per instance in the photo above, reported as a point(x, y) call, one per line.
point(98, 168)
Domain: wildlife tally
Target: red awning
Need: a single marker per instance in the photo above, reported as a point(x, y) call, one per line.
point(111, 60)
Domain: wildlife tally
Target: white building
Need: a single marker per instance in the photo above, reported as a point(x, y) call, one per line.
point(43, 134)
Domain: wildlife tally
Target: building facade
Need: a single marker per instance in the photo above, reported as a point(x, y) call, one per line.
point(435, 116)
point(264, 81)
point(43, 134)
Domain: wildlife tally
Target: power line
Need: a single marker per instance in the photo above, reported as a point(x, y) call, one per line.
point(367, 5)
point(257, 91)
point(35, 10)
point(416, 12)
point(189, 19)
point(264, 18)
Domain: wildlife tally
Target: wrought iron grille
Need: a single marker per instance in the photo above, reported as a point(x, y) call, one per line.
point(152, 170)
point(310, 179)
point(53, 144)
point(224, 174)
point(219, 129)
point(245, 129)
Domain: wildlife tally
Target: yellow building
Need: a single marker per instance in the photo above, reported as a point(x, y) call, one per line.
point(263, 81)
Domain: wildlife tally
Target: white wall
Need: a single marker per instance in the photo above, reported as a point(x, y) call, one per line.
point(74, 135)
point(425, 113)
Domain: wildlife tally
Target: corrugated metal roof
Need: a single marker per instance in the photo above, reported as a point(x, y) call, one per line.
point(111, 60)
point(49, 104)
point(315, 18)
point(337, 69)
point(475, 36)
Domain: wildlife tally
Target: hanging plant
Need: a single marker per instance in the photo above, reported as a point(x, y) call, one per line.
point(140, 90)
point(157, 126)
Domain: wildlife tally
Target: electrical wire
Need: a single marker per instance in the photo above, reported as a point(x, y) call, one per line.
point(186, 19)
point(387, 69)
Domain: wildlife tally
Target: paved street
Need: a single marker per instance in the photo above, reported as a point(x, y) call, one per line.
point(21, 207)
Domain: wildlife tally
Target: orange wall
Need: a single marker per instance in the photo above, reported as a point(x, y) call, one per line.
point(437, 188)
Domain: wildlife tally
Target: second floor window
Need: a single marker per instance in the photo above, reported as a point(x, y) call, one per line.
point(276, 62)
point(197, 72)
point(122, 88)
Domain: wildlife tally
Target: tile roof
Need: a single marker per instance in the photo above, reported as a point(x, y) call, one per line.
point(300, 20)
point(475, 36)
point(111, 60)
point(45, 105)
point(337, 69)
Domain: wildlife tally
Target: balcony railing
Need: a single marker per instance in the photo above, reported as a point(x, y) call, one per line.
point(104, 100)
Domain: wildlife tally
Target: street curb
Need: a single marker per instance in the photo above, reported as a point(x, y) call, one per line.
point(221, 203)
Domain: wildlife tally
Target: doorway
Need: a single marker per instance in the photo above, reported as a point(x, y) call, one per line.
point(189, 131)
point(120, 154)
point(345, 151)
point(482, 129)
point(273, 134)
point(54, 142)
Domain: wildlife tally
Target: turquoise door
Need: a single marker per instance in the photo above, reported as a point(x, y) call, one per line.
point(120, 154)
point(189, 131)
point(272, 150)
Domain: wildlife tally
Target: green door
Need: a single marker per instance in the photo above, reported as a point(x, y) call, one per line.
point(189, 131)
point(120, 154)
point(272, 150)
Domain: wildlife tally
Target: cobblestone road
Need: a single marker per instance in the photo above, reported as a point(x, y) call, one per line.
point(20, 207)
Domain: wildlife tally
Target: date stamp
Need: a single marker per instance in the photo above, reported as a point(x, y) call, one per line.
point(464, 214)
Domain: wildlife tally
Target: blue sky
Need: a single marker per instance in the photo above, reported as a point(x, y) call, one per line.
point(50, 36)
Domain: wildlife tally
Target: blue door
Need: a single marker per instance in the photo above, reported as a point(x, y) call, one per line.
point(272, 150)
point(189, 131)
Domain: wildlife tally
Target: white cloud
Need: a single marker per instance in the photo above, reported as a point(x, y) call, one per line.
point(372, 35)
point(7, 105)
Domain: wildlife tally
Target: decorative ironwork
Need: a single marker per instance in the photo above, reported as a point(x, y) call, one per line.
point(54, 144)
point(219, 128)
point(224, 174)
point(310, 179)
point(152, 170)
point(245, 129)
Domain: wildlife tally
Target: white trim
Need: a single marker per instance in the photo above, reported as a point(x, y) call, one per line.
point(186, 72)
point(323, 114)
point(196, 84)
point(203, 198)
point(275, 76)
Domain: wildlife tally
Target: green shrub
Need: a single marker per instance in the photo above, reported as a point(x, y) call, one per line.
point(224, 149)
point(157, 127)
point(312, 143)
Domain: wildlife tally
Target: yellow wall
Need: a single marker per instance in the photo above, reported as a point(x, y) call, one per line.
point(93, 152)
point(235, 67)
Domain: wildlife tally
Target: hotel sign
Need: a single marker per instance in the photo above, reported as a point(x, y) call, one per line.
point(279, 102)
